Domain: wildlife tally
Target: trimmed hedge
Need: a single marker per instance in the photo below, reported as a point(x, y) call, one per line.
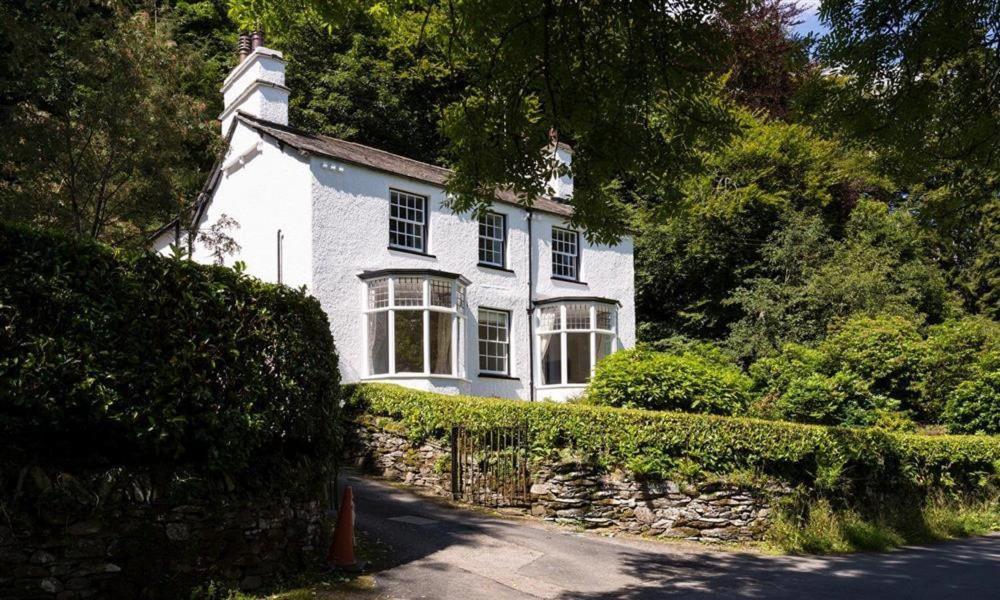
point(842, 461)
point(161, 364)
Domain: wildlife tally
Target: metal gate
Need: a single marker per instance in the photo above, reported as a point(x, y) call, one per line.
point(490, 467)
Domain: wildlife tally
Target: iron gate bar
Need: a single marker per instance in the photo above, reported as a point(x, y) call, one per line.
point(490, 467)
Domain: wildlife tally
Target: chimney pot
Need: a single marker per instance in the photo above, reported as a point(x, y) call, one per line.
point(243, 47)
point(257, 39)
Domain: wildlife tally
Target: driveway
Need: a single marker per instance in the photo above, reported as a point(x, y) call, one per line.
point(442, 552)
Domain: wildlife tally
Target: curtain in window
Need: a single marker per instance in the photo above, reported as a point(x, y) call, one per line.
point(440, 343)
point(551, 349)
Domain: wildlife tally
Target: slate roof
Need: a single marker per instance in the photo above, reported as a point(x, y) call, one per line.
point(380, 160)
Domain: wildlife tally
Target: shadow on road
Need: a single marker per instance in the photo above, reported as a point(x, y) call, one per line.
point(441, 551)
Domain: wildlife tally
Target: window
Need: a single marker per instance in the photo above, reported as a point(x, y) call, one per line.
point(407, 221)
point(492, 239)
point(494, 341)
point(413, 325)
point(572, 338)
point(565, 254)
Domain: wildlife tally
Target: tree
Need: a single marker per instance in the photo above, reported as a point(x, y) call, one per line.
point(881, 266)
point(768, 59)
point(354, 81)
point(623, 82)
point(921, 75)
point(691, 259)
point(105, 139)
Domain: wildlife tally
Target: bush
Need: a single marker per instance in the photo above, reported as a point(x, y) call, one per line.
point(882, 351)
point(974, 406)
point(848, 462)
point(864, 373)
point(951, 354)
point(110, 361)
point(687, 382)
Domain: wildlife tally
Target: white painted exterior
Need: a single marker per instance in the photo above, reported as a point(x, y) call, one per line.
point(334, 217)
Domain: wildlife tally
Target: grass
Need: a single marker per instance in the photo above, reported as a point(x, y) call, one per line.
point(819, 528)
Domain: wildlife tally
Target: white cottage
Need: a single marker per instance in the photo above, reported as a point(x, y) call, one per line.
point(514, 304)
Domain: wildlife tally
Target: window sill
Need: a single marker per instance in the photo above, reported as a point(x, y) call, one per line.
point(413, 376)
point(495, 268)
point(568, 280)
point(498, 376)
point(562, 386)
point(409, 251)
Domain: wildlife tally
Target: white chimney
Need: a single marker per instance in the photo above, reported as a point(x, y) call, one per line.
point(562, 156)
point(256, 86)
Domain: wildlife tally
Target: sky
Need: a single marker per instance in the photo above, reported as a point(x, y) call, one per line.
point(810, 18)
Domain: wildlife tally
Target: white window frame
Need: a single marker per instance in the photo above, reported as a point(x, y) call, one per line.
point(561, 332)
point(506, 342)
point(421, 226)
point(502, 240)
point(456, 309)
point(574, 257)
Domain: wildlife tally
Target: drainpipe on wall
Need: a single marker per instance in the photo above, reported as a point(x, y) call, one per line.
point(531, 313)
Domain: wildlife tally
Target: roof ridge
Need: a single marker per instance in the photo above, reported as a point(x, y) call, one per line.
point(323, 136)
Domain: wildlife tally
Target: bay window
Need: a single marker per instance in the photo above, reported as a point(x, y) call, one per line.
point(572, 337)
point(414, 323)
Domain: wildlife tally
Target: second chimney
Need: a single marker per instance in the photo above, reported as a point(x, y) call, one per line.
point(256, 86)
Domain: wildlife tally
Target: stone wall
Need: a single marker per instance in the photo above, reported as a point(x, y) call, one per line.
point(393, 456)
point(585, 496)
point(156, 550)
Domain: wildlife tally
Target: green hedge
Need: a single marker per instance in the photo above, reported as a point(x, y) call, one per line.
point(641, 378)
point(843, 461)
point(110, 361)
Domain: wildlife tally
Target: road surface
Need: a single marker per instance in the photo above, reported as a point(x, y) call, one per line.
point(441, 552)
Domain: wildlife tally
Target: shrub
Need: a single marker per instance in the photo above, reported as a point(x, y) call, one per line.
point(687, 382)
point(850, 461)
point(862, 374)
point(883, 351)
point(974, 406)
point(951, 354)
point(110, 361)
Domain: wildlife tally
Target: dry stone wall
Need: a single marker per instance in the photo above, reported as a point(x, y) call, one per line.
point(583, 495)
point(157, 550)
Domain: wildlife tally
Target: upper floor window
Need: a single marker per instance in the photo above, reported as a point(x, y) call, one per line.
point(407, 221)
point(414, 325)
point(565, 254)
point(494, 341)
point(492, 239)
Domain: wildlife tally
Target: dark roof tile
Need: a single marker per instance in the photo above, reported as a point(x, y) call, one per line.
point(366, 156)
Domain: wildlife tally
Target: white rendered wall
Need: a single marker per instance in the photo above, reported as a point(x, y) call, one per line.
point(270, 190)
point(351, 235)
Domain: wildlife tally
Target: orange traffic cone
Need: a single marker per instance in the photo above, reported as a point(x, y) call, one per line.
point(341, 554)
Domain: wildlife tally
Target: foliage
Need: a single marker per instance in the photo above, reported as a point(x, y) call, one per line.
point(357, 81)
point(880, 371)
point(882, 265)
point(689, 261)
point(921, 76)
point(954, 351)
point(663, 381)
point(767, 59)
point(843, 462)
point(974, 406)
point(630, 86)
point(162, 364)
point(105, 135)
